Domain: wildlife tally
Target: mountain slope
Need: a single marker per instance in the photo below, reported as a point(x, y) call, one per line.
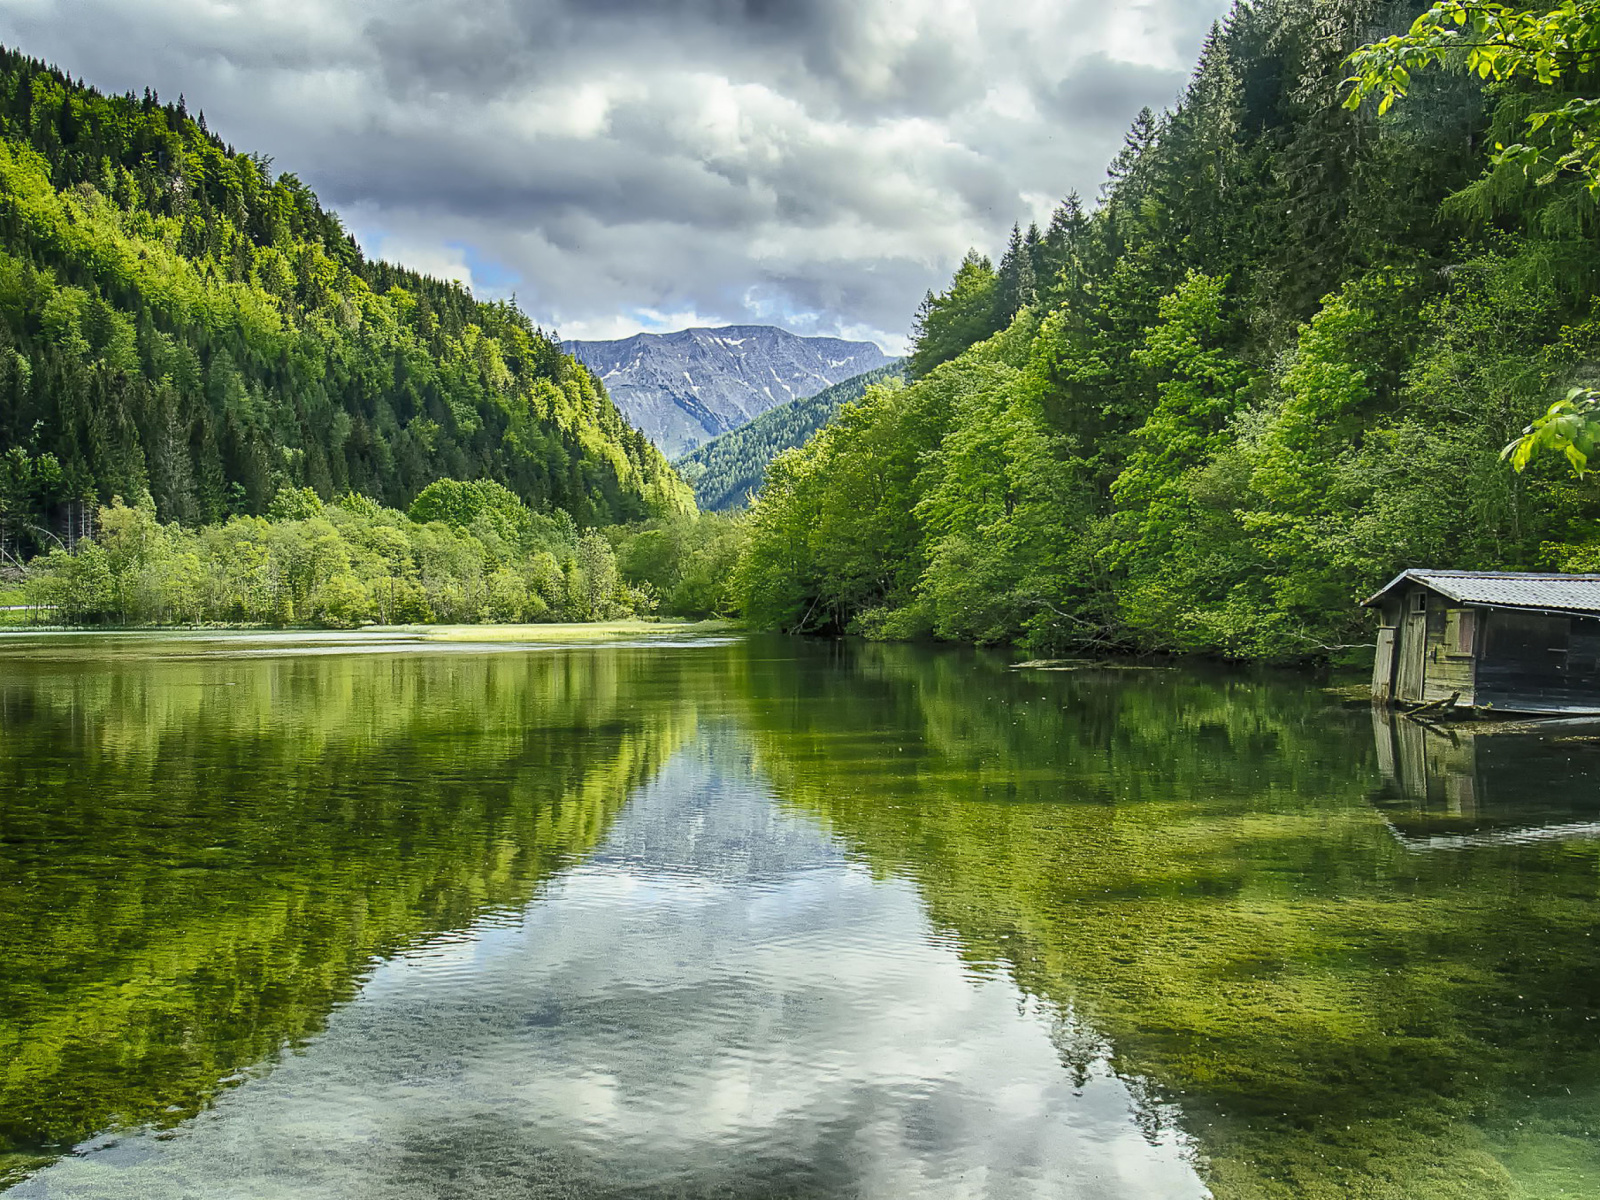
point(176, 320)
point(684, 388)
point(727, 469)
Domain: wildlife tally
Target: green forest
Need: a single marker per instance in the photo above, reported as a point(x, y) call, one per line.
point(178, 321)
point(1283, 355)
point(1275, 362)
point(729, 469)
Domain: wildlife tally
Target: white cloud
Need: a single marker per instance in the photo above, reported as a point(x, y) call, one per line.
point(625, 324)
point(420, 254)
point(819, 163)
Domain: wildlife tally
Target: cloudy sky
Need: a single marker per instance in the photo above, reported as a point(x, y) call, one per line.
point(654, 164)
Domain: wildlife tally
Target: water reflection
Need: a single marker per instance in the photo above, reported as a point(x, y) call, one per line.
point(1190, 862)
point(715, 1003)
point(1450, 787)
point(200, 857)
point(780, 918)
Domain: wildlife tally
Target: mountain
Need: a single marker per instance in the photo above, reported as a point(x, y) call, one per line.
point(727, 469)
point(177, 320)
point(684, 388)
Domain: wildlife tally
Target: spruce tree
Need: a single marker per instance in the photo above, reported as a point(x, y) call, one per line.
point(1014, 282)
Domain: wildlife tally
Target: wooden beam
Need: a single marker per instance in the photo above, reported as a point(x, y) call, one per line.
point(1448, 702)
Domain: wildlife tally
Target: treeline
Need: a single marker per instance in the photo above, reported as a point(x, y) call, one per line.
point(178, 320)
point(727, 471)
point(1273, 365)
point(465, 552)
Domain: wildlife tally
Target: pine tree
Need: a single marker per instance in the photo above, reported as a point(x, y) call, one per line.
point(1061, 276)
point(1127, 175)
point(1015, 288)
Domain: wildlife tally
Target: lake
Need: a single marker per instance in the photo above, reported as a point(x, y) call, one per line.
point(689, 915)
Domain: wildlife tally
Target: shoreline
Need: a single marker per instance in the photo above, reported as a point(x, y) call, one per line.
point(560, 631)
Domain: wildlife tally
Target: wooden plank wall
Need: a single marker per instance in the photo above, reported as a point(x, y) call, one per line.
point(1410, 647)
point(1383, 666)
point(1447, 673)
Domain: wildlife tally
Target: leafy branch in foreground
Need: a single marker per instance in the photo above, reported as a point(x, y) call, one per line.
point(1571, 426)
point(1502, 44)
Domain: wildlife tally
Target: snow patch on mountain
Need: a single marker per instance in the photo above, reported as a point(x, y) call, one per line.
point(685, 388)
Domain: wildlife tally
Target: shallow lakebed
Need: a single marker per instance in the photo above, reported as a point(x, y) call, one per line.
point(697, 914)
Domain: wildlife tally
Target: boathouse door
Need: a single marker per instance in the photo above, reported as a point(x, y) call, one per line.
point(1383, 666)
point(1412, 639)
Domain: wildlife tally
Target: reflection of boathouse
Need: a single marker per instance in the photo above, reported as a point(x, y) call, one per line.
point(1514, 642)
point(1453, 788)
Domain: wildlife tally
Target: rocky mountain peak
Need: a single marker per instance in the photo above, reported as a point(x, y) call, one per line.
point(686, 387)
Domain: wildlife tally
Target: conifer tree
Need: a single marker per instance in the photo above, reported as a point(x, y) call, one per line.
point(1014, 282)
point(174, 318)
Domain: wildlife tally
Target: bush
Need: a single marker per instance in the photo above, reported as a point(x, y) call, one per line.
point(485, 557)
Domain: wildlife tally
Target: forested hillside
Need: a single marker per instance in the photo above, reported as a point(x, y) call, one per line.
point(728, 470)
point(177, 319)
point(1274, 363)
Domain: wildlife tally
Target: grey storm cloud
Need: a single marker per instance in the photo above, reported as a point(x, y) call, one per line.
point(628, 164)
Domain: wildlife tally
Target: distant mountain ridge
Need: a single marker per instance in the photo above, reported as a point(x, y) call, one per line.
point(727, 469)
point(682, 389)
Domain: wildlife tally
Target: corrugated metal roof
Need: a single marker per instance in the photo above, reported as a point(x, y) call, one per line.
point(1506, 589)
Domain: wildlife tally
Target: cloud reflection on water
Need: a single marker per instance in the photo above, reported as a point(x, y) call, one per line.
point(717, 1003)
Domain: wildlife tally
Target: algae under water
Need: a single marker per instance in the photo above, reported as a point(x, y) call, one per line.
point(709, 915)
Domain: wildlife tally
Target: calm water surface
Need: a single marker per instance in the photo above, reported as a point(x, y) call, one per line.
point(335, 916)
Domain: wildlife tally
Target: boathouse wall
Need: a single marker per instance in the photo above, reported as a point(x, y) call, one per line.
point(1431, 647)
point(1427, 649)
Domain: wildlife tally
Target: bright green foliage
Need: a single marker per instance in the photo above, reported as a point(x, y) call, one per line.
point(341, 565)
point(727, 470)
point(962, 316)
point(1552, 49)
point(834, 533)
point(176, 319)
point(463, 505)
point(1000, 495)
point(1303, 492)
point(1175, 536)
point(686, 563)
point(1272, 368)
point(1570, 426)
point(295, 504)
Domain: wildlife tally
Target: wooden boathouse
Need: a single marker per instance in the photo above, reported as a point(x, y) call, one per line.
point(1510, 642)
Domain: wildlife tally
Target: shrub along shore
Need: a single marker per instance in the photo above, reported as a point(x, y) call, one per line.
point(464, 553)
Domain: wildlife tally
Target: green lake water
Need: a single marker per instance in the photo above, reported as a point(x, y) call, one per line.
point(344, 916)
